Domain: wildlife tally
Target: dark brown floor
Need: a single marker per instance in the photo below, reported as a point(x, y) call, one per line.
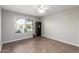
point(38, 45)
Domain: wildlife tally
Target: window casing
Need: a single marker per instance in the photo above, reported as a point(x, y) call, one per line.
point(23, 25)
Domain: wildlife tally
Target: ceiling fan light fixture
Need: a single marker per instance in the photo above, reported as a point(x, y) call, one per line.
point(41, 11)
point(43, 7)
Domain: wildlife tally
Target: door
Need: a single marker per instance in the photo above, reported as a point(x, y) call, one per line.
point(38, 28)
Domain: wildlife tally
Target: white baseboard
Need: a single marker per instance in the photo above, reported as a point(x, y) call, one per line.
point(16, 40)
point(61, 40)
point(43, 36)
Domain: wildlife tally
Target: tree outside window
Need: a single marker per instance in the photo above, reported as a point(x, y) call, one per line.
point(23, 25)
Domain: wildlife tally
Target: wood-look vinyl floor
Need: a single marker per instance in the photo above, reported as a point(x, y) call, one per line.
point(38, 45)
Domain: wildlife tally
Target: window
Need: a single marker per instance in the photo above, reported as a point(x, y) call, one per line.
point(23, 25)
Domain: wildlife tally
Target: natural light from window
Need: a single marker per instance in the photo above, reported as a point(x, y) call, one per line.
point(23, 25)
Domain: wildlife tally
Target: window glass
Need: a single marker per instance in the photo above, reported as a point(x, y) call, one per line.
point(29, 25)
point(23, 25)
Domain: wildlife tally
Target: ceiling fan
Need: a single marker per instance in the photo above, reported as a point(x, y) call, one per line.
point(42, 8)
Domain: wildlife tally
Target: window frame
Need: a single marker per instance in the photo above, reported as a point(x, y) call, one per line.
point(25, 24)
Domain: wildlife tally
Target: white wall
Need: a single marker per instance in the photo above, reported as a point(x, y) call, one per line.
point(8, 26)
point(0, 29)
point(62, 26)
point(78, 29)
point(0, 25)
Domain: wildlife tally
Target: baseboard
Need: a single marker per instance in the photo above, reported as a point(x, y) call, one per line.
point(16, 40)
point(54, 38)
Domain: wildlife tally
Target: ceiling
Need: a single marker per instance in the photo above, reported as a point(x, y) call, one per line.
point(32, 9)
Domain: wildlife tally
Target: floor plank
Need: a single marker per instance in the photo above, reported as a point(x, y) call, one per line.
point(38, 45)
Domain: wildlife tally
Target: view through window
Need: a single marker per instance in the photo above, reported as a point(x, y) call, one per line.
point(23, 25)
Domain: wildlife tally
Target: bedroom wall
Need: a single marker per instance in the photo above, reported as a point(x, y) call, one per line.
point(8, 26)
point(78, 30)
point(0, 29)
point(62, 26)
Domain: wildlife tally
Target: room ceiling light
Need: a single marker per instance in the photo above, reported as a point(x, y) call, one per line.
point(42, 9)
